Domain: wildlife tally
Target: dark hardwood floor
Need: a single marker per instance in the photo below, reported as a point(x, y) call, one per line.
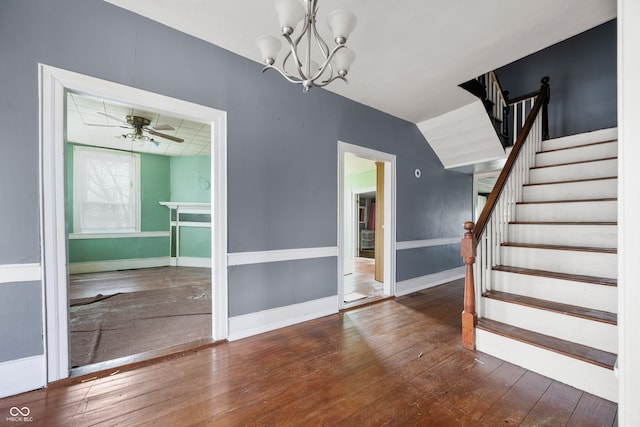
point(398, 362)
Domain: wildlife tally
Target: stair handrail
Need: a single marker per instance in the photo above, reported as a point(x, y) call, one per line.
point(542, 100)
point(482, 240)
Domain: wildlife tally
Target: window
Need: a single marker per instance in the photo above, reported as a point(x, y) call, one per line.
point(106, 191)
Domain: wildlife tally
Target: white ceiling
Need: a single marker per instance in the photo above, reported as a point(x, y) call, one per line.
point(88, 124)
point(410, 54)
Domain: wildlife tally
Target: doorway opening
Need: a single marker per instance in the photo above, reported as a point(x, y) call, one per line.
point(133, 222)
point(366, 226)
point(483, 184)
point(138, 209)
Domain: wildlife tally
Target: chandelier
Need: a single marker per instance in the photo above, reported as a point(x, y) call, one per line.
point(298, 66)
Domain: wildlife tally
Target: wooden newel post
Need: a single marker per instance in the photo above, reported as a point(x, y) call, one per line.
point(469, 317)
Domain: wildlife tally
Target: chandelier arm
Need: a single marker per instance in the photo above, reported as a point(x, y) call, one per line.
point(282, 73)
point(326, 82)
point(324, 48)
point(328, 62)
point(293, 47)
point(293, 52)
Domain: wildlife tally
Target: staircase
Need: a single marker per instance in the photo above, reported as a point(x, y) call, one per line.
point(549, 300)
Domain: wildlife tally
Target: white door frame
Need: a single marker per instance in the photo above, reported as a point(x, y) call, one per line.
point(53, 83)
point(389, 161)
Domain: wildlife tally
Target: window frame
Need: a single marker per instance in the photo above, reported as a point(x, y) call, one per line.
point(80, 152)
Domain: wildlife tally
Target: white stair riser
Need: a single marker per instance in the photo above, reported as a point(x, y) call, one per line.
point(571, 262)
point(588, 295)
point(594, 334)
point(599, 169)
point(578, 154)
point(581, 139)
point(596, 211)
point(582, 190)
point(585, 376)
point(597, 236)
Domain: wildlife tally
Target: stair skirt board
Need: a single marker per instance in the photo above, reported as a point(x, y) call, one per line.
point(574, 234)
point(592, 169)
point(588, 295)
point(582, 153)
point(602, 336)
point(588, 211)
point(561, 261)
point(585, 376)
point(576, 190)
point(600, 135)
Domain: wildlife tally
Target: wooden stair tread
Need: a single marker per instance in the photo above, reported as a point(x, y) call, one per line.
point(577, 146)
point(569, 310)
point(605, 281)
point(563, 223)
point(561, 248)
point(577, 351)
point(575, 163)
point(571, 181)
point(608, 199)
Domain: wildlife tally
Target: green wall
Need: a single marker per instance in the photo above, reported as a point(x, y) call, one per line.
point(85, 250)
point(155, 172)
point(191, 182)
point(195, 242)
point(155, 187)
point(162, 178)
point(360, 180)
point(191, 179)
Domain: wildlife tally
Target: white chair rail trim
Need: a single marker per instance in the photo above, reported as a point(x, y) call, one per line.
point(413, 244)
point(12, 273)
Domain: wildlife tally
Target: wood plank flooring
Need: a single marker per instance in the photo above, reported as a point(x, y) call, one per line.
point(398, 362)
point(362, 281)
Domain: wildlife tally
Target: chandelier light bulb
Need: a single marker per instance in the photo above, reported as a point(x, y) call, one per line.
point(269, 47)
point(341, 23)
point(290, 13)
point(343, 60)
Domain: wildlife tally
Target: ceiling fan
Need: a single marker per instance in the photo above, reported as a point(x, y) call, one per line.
point(139, 126)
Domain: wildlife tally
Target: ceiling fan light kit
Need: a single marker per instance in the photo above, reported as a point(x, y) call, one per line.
point(139, 125)
point(334, 63)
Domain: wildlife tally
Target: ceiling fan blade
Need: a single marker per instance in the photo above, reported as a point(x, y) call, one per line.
point(112, 117)
point(162, 135)
point(108, 126)
point(162, 127)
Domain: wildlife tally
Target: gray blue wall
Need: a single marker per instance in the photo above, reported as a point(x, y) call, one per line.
point(583, 81)
point(282, 151)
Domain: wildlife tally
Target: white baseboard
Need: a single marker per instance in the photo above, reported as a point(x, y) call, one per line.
point(22, 375)
point(187, 261)
point(117, 264)
point(275, 318)
point(430, 280)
